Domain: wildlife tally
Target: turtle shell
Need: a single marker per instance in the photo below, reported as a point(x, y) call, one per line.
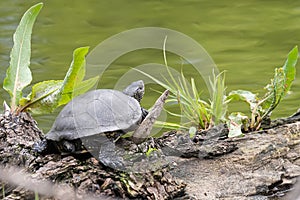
point(96, 112)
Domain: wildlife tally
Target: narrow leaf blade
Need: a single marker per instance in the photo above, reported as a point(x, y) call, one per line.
point(289, 68)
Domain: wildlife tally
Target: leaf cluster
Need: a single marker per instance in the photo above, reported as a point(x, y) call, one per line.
point(185, 94)
point(204, 114)
point(262, 107)
point(45, 96)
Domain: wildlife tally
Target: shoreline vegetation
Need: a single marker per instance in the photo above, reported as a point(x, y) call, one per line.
point(217, 155)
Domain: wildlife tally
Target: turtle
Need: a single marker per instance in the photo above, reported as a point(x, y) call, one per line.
point(87, 121)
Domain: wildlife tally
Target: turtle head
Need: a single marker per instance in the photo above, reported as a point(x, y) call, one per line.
point(136, 90)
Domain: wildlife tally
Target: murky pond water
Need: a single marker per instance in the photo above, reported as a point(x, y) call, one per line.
point(247, 39)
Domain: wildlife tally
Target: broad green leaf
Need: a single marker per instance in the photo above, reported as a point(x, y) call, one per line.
point(48, 95)
point(43, 98)
point(236, 120)
point(85, 86)
point(74, 75)
point(243, 95)
point(18, 74)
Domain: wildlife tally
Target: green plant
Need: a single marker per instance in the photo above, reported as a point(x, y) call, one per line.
point(3, 190)
point(219, 102)
point(47, 95)
point(204, 115)
point(184, 93)
point(36, 196)
point(262, 107)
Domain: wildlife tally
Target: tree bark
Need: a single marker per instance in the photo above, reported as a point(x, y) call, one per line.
point(265, 165)
point(77, 177)
point(260, 165)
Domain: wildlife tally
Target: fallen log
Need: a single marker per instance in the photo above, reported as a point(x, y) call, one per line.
point(264, 165)
point(261, 165)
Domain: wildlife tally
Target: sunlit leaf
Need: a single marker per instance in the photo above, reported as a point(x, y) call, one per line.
point(281, 83)
point(18, 74)
point(84, 86)
point(74, 75)
point(289, 68)
point(236, 121)
point(169, 125)
point(243, 95)
point(48, 95)
point(43, 97)
point(219, 105)
point(187, 97)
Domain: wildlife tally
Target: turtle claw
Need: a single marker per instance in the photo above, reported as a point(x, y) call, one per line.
point(114, 162)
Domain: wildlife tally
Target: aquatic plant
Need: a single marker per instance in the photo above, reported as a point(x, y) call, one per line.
point(261, 107)
point(185, 94)
point(204, 114)
point(47, 95)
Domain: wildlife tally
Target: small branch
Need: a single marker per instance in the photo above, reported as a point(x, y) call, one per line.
point(144, 129)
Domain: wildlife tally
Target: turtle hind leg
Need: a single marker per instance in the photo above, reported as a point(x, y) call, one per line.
point(111, 156)
point(103, 148)
point(40, 146)
point(45, 147)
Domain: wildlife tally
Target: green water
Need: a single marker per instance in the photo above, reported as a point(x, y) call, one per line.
point(248, 39)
